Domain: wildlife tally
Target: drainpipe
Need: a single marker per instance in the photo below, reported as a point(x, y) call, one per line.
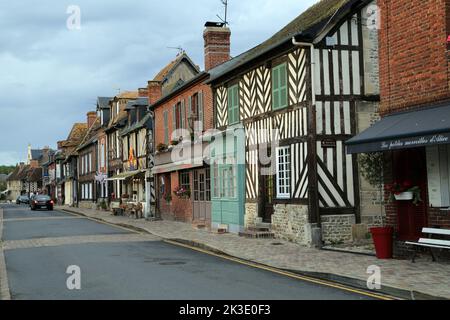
point(313, 63)
point(316, 233)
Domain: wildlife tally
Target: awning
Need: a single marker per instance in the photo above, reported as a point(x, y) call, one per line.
point(171, 167)
point(125, 175)
point(405, 130)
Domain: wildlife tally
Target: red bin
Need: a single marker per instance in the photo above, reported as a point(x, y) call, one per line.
point(382, 238)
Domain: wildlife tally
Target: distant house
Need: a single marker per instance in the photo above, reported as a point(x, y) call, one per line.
point(181, 118)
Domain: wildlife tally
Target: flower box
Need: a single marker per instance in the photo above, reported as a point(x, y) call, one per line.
point(404, 196)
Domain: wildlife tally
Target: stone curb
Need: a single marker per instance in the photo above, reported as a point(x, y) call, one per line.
point(347, 281)
point(4, 286)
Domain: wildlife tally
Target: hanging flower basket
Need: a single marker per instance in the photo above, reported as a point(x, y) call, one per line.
point(405, 191)
point(404, 196)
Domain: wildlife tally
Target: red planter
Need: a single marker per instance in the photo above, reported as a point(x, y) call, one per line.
point(382, 238)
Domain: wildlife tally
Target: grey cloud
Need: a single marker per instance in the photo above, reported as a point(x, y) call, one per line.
point(50, 76)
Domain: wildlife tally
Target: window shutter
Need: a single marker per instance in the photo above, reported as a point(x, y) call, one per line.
point(166, 127)
point(189, 110)
point(174, 120)
point(183, 115)
point(200, 111)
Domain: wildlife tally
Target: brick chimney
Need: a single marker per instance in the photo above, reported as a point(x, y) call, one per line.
point(217, 44)
point(143, 92)
point(91, 117)
point(154, 91)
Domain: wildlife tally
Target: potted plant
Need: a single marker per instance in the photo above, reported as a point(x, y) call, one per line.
point(168, 197)
point(404, 191)
point(372, 170)
point(182, 193)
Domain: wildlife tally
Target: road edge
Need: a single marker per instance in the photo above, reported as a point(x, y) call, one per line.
point(4, 286)
point(395, 292)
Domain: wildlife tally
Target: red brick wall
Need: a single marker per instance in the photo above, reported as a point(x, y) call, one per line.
point(414, 69)
point(207, 109)
point(178, 209)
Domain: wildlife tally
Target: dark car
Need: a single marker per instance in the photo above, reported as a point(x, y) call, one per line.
point(41, 202)
point(23, 199)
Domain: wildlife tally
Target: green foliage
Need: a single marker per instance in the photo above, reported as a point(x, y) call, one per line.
point(6, 169)
point(371, 165)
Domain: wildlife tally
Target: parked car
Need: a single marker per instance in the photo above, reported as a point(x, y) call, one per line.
point(23, 199)
point(41, 202)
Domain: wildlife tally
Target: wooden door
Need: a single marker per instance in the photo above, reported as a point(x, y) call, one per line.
point(265, 203)
point(410, 165)
point(202, 196)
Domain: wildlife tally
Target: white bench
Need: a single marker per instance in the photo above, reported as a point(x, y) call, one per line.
point(430, 242)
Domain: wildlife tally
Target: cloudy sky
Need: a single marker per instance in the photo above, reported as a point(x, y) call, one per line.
point(50, 76)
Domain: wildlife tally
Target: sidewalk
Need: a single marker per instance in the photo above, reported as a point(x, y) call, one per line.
point(421, 280)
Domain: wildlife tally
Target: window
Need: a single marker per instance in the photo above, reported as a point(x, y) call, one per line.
point(166, 127)
point(196, 111)
point(283, 162)
point(279, 87)
point(185, 181)
point(228, 182)
point(233, 105)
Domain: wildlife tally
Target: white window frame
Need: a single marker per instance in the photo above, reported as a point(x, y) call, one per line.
point(283, 185)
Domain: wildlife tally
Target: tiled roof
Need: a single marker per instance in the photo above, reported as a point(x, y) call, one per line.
point(310, 24)
point(161, 76)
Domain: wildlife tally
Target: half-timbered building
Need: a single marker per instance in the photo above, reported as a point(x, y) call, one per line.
point(290, 103)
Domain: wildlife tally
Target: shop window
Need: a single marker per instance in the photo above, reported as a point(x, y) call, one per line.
point(185, 181)
point(438, 167)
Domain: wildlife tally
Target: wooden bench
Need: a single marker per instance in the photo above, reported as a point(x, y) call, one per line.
point(430, 242)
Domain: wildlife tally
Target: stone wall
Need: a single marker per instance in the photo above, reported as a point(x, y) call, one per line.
point(251, 214)
point(87, 205)
point(337, 229)
point(290, 222)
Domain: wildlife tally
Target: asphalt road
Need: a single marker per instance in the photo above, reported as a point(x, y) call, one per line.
point(133, 270)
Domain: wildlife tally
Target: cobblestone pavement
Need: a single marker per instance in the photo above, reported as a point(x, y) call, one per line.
point(423, 277)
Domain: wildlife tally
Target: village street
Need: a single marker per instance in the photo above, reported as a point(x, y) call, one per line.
point(117, 263)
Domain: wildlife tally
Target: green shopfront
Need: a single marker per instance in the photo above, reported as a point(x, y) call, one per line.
point(228, 179)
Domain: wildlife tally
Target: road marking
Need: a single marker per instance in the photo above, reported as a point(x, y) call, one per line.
point(286, 273)
point(4, 286)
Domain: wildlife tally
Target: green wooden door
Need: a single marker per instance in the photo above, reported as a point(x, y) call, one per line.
point(228, 182)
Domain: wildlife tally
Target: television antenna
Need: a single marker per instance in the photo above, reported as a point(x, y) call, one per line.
point(225, 4)
point(179, 48)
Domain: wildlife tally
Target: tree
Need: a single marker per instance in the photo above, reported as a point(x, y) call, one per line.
point(6, 169)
